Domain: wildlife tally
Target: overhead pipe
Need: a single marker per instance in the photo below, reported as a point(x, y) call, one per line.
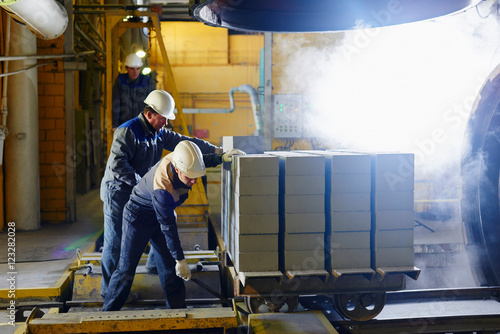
point(26, 69)
point(254, 99)
point(256, 106)
point(26, 57)
point(47, 19)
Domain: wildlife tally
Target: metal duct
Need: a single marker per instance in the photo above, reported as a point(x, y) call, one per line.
point(254, 99)
point(319, 15)
point(47, 19)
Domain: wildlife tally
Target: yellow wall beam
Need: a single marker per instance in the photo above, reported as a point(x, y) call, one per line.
point(170, 75)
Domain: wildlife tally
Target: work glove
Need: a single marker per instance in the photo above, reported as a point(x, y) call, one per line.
point(182, 270)
point(228, 156)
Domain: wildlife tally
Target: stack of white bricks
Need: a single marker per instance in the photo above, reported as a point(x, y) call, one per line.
point(302, 198)
point(254, 221)
point(393, 209)
point(349, 210)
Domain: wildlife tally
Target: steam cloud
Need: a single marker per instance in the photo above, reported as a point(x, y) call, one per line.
point(407, 88)
point(403, 88)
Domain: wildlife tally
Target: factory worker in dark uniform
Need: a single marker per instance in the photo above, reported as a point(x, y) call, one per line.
point(129, 91)
point(149, 216)
point(137, 145)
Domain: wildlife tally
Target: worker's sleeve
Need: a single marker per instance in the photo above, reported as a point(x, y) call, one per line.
point(164, 206)
point(171, 139)
point(115, 104)
point(123, 150)
point(212, 160)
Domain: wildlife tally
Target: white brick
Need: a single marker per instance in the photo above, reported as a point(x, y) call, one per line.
point(351, 183)
point(256, 261)
point(295, 163)
point(351, 202)
point(339, 162)
point(351, 221)
point(304, 241)
point(305, 185)
point(255, 165)
point(255, 204)
point(397, 219)
point(347, 163)
point(395, 257)
point(350, 240)
point(305, 260)
point(393, 201)
point(246, 243)
point(304, 222)
point(393, 238)
point(255, 224)
point(394, 172)
point(350, 258)
point(304, 203)
point(256, 185)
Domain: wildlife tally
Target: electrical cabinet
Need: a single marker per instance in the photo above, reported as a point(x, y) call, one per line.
point(287, 116)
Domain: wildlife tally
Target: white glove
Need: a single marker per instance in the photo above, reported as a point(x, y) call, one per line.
point(228, 156)
point(182, 270)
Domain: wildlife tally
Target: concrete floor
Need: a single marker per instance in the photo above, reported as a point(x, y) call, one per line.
point(43, 255)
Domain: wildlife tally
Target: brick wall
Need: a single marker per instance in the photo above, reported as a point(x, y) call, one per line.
point(52, 136)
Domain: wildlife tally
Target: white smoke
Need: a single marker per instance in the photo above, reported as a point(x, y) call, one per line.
point(406, 88)
point(402, 88)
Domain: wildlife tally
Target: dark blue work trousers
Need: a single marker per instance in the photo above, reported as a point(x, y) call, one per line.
point(140, 226)
point(114, 202)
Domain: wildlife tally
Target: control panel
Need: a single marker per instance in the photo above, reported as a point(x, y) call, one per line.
point(287, 116)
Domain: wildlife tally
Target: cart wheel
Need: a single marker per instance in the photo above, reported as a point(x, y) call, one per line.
point(359, 307)
point(285, 304)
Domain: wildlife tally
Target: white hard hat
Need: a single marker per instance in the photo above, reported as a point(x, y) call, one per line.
point(188, 159)
point(133, 60)
point(161, 102)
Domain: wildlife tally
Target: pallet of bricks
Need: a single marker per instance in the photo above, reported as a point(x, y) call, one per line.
point(302, 213)
point(254, 215)
point(321, 212)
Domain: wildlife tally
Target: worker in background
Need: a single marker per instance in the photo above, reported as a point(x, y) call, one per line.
point(137, 146)
point(129, 91)
point(150, 215)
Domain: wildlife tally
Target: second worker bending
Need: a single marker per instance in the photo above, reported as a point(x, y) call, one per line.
point(149, 215)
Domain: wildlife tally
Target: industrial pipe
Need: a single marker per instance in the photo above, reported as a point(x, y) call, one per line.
point(47, 19)
point(254, 99)
point(26, 57)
